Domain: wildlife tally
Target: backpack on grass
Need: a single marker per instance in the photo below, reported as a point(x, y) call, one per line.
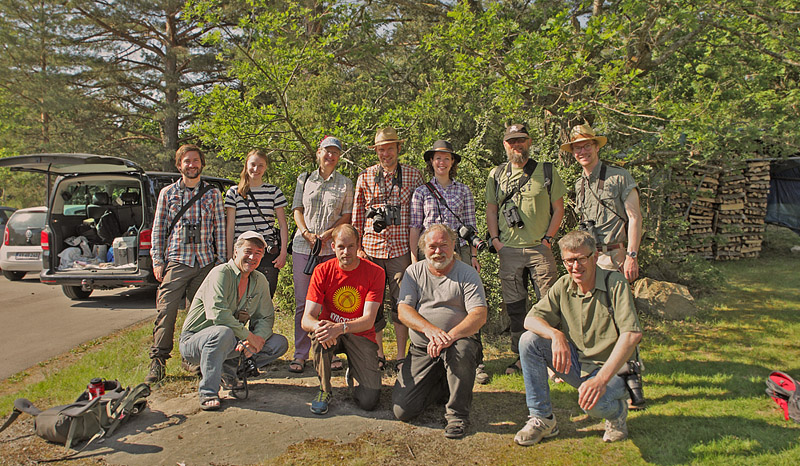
point(782, 388)
point(84, 419)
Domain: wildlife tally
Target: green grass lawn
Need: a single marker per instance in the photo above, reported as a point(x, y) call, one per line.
point(704, 384)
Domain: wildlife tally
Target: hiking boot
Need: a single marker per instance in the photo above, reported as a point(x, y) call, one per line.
point(193, 369)
point(535, 430)
point(158, 370)
point(320, 403)
point(481, 376)
point(617, 429)
point(456, 428)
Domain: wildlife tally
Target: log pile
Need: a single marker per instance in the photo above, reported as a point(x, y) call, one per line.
point(724, 208)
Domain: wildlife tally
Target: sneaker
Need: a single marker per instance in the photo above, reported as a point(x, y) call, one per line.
point(535, 430)
point(158, 370)
point(456, 428)
point(617, 429)
point(481, 376)
point(320, 403)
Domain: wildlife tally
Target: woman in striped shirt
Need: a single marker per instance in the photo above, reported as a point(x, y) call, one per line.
point(254, 205)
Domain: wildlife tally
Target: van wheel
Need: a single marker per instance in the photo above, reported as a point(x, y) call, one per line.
point(13, 275)
point(75, 292)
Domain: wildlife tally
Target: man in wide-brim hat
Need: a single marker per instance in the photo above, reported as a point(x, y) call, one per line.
point(608, 203)
point(385, 190)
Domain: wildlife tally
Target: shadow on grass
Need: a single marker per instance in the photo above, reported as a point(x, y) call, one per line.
point(668, 440)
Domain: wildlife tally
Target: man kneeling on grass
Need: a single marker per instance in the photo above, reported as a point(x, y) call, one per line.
point(443, 302)
point(585, 329)
point(216, 330)
point(341, 305)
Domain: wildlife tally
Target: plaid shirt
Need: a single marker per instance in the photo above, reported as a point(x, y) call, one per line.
point(207, 211)
point(426, 210)
point(393, 240)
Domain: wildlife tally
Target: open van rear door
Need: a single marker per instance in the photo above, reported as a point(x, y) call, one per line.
point(66, 164)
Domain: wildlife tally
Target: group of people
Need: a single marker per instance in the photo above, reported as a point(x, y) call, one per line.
point(419, 239)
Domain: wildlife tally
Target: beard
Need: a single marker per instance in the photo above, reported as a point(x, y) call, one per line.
point(517, 158)
point(191, 173)
point(440, 261)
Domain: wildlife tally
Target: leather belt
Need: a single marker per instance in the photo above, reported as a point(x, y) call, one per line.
point(610, 247)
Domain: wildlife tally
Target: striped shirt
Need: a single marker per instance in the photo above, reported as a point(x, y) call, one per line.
point(324, 202)
point(426, 210)
point(267, 197)
point(207, 212)
point(393, 240)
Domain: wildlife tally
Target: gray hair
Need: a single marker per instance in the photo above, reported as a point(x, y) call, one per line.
point(437, 227)
point(575, 240)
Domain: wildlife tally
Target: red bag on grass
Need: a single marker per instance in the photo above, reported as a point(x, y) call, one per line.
point(782, 388)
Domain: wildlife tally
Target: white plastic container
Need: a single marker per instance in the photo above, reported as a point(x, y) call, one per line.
point(124, 250)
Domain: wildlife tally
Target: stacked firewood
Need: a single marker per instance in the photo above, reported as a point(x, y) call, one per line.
point(755, 206)
point(724, 209)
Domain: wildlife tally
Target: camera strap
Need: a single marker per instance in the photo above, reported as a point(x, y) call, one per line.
point(397, 180)
point(204, 189)
point(441, 201)
point(528, 169)
point(600, 184)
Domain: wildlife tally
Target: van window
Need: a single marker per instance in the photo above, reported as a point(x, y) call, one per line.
point(80, 197)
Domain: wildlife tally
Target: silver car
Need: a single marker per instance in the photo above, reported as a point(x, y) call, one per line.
point(22, 250)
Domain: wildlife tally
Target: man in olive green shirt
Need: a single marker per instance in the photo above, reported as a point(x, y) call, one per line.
point(585, 329)
point(231, 313)
point(522, 227)
point(607, 199)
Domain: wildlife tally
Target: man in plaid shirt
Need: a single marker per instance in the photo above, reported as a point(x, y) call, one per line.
point(182, 257)
point(385, 190)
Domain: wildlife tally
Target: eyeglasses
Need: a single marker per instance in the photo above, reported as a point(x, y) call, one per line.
point(582, 148)
point(582, 260)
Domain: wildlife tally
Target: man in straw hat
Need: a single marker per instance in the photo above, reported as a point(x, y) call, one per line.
point(524, 208)
point(382, 215)
point(608, 204)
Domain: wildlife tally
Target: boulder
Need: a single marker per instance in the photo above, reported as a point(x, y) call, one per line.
point(663, 300)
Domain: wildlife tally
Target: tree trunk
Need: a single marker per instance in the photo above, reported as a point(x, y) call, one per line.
point(169, 133)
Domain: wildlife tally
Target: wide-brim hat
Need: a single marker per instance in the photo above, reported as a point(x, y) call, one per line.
point(252, 235)
point(582, 133)
point(386, 135)
point(441, 146)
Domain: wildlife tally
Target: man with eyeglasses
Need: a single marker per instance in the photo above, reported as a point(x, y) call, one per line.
point(231, 314)
point(585, 329)
point(608, 204)
point(524, 209)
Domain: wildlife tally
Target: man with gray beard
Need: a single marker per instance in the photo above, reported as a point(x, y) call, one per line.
point(524, 208)
point(443, 303)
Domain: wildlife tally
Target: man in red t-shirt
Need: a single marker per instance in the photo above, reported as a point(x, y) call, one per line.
point(343, 299)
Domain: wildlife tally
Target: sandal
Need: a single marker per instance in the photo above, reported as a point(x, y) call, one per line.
point(210, 403)
point(297, 366)
point(337, 364)
point(514, 368)
point(232, 386)
point(381, 363)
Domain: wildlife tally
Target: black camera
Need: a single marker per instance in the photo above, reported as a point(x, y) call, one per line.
point(191, 233)
point(470, 234)
point(589, 227)
point(631, 372)
point(247, 368)
point(384, 216)
point(512, 217)
point(273, 244)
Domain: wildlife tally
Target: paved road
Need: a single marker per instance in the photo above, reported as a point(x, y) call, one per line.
point(39, 322)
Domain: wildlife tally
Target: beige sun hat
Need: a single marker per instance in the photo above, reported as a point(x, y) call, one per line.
point(582, 133)
point(386, 135)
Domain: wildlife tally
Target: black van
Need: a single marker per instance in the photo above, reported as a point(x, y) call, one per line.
point(88, 188)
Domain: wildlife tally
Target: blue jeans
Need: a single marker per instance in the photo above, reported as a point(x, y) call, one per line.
point(213, 347)
point(536, 355)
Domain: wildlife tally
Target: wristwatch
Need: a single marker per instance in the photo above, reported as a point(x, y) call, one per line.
point(548, 238)
point(632, 254)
